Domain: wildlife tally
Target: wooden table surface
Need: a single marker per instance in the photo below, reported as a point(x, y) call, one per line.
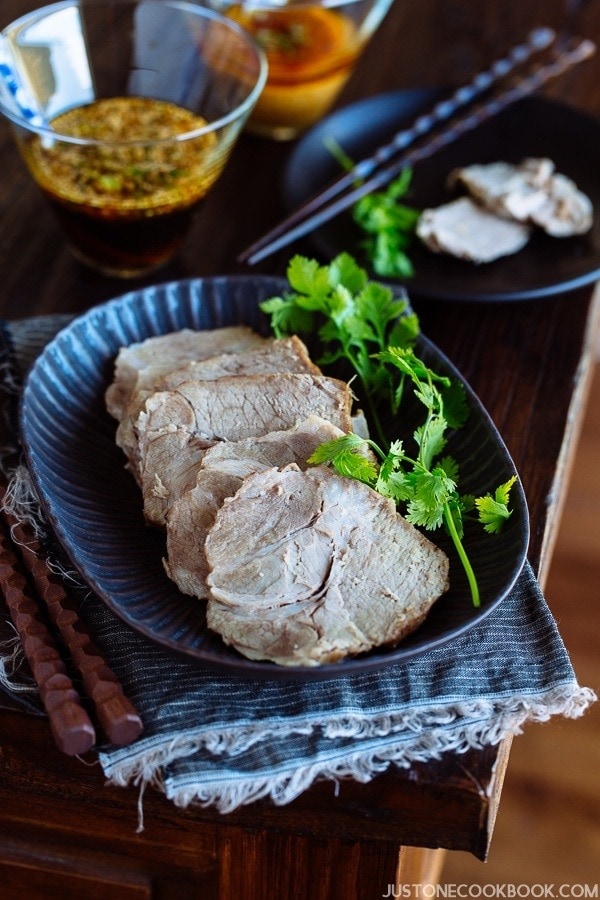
point(528, 362)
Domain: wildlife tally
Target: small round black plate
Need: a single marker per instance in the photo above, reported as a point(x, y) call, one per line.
point(534, 126)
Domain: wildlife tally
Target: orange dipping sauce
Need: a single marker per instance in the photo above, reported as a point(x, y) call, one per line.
point(311, 51)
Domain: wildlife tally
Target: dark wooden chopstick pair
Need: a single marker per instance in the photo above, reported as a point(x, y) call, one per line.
point(388, 161)
point(26, 579)
point(71, 725)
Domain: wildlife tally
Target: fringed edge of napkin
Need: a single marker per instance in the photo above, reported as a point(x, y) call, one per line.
point(12, 661)
point(461, 728)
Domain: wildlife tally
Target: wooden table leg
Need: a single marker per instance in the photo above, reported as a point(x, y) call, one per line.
point(272, 867)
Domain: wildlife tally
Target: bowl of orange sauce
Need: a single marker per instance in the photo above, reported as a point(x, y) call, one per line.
point(311, 49)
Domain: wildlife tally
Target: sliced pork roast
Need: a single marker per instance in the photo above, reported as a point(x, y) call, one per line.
point(221, 473)
point(288, 355)
point(139, 366)
point(285, 355)
point(177, 427)
point(505, 202)
point(309, 567)
point(530, 192)
point(467, 231)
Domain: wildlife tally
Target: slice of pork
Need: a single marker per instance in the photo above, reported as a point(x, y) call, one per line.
point(567, 211)
point(504, 188)
point(285, 355)
point(288, 355)
point(467, 231)
point(177, 427)
point(139, 365)
point(530, 192)
point(309, 567)
point(222, 470)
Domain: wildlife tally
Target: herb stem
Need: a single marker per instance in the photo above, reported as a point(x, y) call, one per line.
point(373, 418)
point(372, 414)
point(449, 520)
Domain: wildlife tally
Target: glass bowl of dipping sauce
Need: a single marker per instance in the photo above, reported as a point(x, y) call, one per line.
point(132, 109)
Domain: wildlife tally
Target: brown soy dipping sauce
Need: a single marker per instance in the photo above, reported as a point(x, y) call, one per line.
point(122, 246)
point(125, 207)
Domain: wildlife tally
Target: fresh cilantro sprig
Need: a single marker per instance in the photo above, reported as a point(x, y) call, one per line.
point(494, 511)
point(355, 320)
point(390, 226)
point(425, 483)
point(365, 324)
point(388, 223)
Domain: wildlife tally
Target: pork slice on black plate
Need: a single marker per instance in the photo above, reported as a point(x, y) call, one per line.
point(177, 427)
point(140, 365)
point(221, 473)
point(278, 355)
point(307, 568)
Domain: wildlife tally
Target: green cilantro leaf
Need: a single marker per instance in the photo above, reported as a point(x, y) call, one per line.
point(286, 316)
point(388, 224)
point(347, 455)
point(431, 440)
point(354, 319)
point(494, 511)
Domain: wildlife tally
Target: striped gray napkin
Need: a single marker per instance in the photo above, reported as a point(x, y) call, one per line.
point(220, 740)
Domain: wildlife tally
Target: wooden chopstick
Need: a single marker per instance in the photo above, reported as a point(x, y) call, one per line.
point(116, 714)
point(317, 211)
point(71, 726)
